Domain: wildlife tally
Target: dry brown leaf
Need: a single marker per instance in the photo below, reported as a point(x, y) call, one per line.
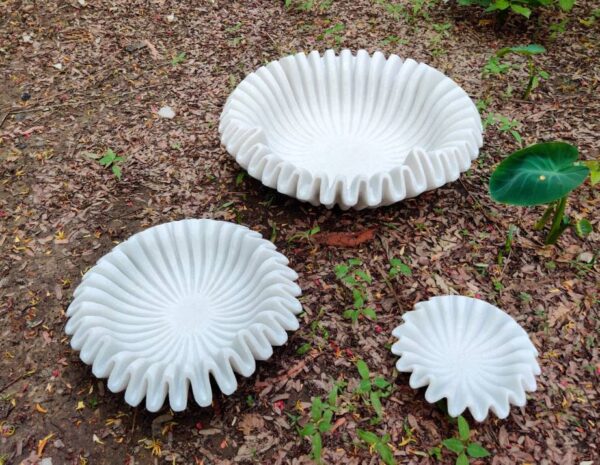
point(153, 52)
point(251, 422)
point(345, 239)
point(557, 314)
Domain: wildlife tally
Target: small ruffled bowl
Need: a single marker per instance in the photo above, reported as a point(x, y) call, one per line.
point(355, 131)
point(179, 303)
point(469, 352)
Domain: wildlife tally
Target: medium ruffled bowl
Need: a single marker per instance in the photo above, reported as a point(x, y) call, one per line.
point(468, 351)
point(351, 130)
point(181, 302)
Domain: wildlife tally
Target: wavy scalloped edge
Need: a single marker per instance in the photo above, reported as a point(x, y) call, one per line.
point(421, 171)
point(522, 351)
point(155, 380)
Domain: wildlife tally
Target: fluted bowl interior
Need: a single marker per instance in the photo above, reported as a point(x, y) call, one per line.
point(181, 302)
point(469, 352)
point(339, 129)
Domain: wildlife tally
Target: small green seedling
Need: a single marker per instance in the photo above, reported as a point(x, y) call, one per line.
point(543, 174)
point(583, 227)
point(559, 28)
point(309, 5)
point(236, 39)
point(409, 11)
point(420, 8)
point(305, 235)
point(239, 179)
point(525, 297)
point(372, 391)
point(318, 333)
point(111, 160)
point(233, 29)
point(320, 421)
point(510, 237)
point(394, 40)
point(398, 267)
point(504, 124)
point(274, 231)
point(396, 10)
point(536, 74)
point(178, 59)
point(494, 67)
point(521, 7)
point(356, 279)
point(591, 20)
point(594, 167)
point(380, 444)
point(462, 446)
point(482, 105)
point(335, 32)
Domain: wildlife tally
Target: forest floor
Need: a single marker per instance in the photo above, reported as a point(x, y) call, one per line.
point(80, 77)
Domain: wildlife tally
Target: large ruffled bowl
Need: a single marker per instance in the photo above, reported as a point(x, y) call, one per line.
point(468, 351)
point(353, 130)
point(181, 302)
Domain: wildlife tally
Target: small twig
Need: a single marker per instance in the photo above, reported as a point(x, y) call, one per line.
point(127, 213)
point(135, 410)
point(505, 263)
point(493, 221)
point(383, 273)
point(478, 205)
point(389, 284)
point(58, 427)
point(15, 111)
point(16, 380)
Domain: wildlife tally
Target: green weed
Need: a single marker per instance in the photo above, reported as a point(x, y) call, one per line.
point(305, 235)
point(178, 59)
point(320, 420)
point(510, 236)
point(356, 279)
point(111, 160)
point(309, 5)
point(372, 390)
point(334, 32)
point(504, 124)
point(318, 333)
point(495, 67)
point(398, 267)
point(521, 7)
point(461, 446)
point(380, 444)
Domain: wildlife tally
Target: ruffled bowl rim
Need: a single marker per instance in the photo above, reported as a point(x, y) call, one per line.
point(421, 375)
point(422, 170)
point(252, 343)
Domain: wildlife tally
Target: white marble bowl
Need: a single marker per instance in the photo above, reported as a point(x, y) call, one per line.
point(355, 131)
point(181, 302)
point(469, 352)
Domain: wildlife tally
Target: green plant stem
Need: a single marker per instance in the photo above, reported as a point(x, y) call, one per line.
point(557, 222)
point(531, 80)
point(545, 217)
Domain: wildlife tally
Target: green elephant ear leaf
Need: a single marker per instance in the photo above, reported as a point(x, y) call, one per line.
point(537, 175)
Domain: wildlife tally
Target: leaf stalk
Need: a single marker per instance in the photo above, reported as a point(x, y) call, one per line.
point(558, 225)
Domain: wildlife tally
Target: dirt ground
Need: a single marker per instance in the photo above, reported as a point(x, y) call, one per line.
point(80, 77)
